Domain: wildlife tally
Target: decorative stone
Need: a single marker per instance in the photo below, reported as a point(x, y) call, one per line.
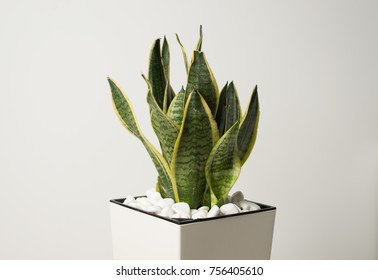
point(129, 198)
point(153, 209)
point(167, 212)
point(206, 208)
point(144, 201)
point(181, 208)
point(152, 195)
point(165, 202)
point(180, 216)
point(228, 199)
point(201, 214)
point(228, 209)
point(137, 206)
point(248, 205)
point(193, 211)
point(237, 197)
point(214, 212)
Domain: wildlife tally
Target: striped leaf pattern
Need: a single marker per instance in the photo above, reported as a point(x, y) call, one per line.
point(201, 78)
point(124, 111)
point(156, 73)
point(248, 128)
point(203, 137)
point(176, 109)
point(229, 111)
point(197, 136)
point(223, 165)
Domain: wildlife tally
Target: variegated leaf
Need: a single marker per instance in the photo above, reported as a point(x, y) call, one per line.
point(199, 44)
point(125, 113)
point(196, 138)
point(165, 129)
point(202, 79)
point(183, 54)
point(156, 74)
point(176, 109)
point(223, 165)
point(229, 111)
point(248, 128)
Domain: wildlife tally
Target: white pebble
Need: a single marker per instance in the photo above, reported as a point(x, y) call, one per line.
point(129, 198)
point(193, 211)
point(214, 212)
point(228, 209)
point(167, 212)
point(206, 208)
point(153, 195)
point(175, 216)
point(237, 197)
point(153, 209)
point(166, 202)
point(144, 201)
point(248, 205)
point(137, 206)
point(180, 216)
point(181, 208)
point(201, 214)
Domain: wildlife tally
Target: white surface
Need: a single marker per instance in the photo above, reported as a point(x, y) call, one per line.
point(139, 236)
point(63, 153)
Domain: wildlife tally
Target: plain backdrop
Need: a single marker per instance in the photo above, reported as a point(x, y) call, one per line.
point(64, 153)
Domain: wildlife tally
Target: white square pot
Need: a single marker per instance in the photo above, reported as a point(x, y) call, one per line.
point(139, 235)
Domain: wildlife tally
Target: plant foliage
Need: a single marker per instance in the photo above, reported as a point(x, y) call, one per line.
point(203, 136)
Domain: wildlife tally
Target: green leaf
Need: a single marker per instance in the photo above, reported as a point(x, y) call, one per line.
point(229, 111)
point(248, 128)
point(184, 54)
point(165, 58)
point(199, 44)
point(197, 136)
point(223, 165)
point(169, 95)
point(125, 113)
point(156, 74)
point(165, 129)
point(202, 79)
point(176, 109)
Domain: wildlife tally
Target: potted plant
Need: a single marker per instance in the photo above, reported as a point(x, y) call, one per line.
point(204, 141)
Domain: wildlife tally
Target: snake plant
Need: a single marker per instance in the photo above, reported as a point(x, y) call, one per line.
point(203, 136)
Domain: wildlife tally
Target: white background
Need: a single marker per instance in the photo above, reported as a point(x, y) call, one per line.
point(64, 154)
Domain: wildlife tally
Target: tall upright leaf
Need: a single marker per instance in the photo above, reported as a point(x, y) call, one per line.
point(196, 138)
point(183, 54)
point(229, 111)
point(176, 109)
point(165, 129)
point(223, 165)
point(199, 44)
point(169, 94)
point(125, 113)
point(248, 128)
point(156, 74)
point(201, 78)
point(165, 57)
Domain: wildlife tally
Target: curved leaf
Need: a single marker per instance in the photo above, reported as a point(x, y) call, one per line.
point(125, 113)
point(165, 129)
point(229, 111)
point(156, 74)
point(165, 58)
point(202, 79)
point(248, 128)
point(197, 136)
point(176, 109)
point(199, 44)
point(183, 54)
point(223, 165)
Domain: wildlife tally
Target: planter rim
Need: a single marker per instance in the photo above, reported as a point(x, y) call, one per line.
point(264, 208)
